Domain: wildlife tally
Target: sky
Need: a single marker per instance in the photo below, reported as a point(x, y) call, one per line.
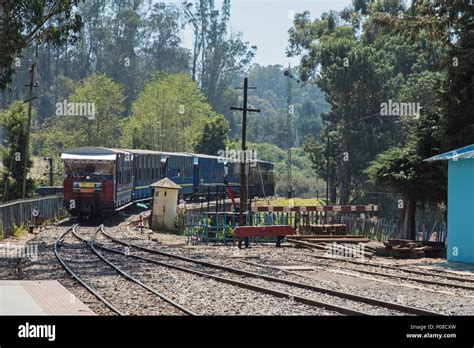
point(265, 24)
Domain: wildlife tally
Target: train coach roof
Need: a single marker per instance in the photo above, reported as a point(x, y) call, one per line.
point(184, 154)
point(96, 153)
point(201, 155)
point(143, 152)
point(103, 153)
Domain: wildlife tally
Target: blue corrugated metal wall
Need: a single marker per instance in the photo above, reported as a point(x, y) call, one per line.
point(461, 210)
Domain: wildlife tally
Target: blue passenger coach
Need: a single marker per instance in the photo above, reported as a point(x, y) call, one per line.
point(131, 172)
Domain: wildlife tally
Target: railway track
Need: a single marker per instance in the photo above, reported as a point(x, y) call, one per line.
point(394, 269)
point(57, 246)
point(131, 286)
point(299, 292)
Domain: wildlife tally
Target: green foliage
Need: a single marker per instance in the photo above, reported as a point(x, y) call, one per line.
point(397, 168)
point(448, 23)
point(270, 126)
point(167, 115)
point(357, 74)
point(213, 136)
point(101, 128)
point(305, 183)
point(23, 22)
point(19, 231)
point(216, 54)
point(13, 121)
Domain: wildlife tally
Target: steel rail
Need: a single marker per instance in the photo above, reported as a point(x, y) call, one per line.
point(424, 281)
point(400, 269)
point(92, 244)
point(277, 293)
point(349, 296)
point(57, 245)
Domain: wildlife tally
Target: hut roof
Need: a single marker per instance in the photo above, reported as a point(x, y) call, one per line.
point(463, 152)
point(165, 183)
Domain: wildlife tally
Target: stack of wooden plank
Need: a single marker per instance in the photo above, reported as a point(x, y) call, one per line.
point(326, 242)
point(411, 249)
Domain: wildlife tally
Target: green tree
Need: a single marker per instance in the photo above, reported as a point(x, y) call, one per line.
point(358, 72)
point(23, 22)
point(100, 102)
point(167, 115)
point(213, 136)
point(355, 77)
point(216, 54)
point(404, 171)
point(13, 121)
point(450, 22)
point(270, 126)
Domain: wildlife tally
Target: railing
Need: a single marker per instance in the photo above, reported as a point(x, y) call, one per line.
point(18, 213)
point(385, 229)
point(201, 226)
point(204, 226)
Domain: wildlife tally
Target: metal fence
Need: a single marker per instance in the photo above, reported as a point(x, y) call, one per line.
point(385, 229)
point(19, 212)
point(205, 225)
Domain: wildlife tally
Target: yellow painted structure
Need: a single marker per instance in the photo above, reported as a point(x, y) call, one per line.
point(165, 202)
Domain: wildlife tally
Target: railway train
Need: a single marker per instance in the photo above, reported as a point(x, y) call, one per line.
point(100, 180)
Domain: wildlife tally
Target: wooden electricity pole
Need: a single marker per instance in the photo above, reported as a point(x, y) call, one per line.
point(28, 126)
point(243, 165)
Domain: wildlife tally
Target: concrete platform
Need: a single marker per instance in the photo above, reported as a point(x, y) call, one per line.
point(44, 297)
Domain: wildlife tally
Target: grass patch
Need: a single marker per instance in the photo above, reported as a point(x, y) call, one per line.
point(19, 231)
point(287, 202)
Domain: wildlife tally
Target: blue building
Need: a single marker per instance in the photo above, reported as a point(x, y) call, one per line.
point(460, 203)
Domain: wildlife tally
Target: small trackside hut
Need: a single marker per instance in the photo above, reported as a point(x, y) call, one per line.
point(165, 202)
point(460, 203)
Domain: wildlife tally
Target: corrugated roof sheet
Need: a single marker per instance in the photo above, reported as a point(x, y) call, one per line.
point(461, 153)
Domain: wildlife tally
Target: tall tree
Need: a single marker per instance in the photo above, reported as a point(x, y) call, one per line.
point(167, 115)
point(23, 22)
point(216, 55)
point(13, 121)
point(355, 78)
point(213, 136)
point(91, 116)
point(449, 21)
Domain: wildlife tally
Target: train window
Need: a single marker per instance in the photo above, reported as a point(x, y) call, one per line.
point(149, 167)
point(145, 167)
point(142, 173)
point(153, 167)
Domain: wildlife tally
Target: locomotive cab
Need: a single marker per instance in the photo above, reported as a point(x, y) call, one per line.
point(89, 177)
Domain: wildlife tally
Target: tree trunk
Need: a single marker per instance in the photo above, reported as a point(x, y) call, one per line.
point(345, 176)
point(332, 191)
point(406, 219)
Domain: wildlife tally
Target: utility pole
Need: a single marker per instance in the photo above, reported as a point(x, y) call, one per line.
point(327, 180)
point(50, 161)
point(28, 126)
point(243, 164)
point(290, 111)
